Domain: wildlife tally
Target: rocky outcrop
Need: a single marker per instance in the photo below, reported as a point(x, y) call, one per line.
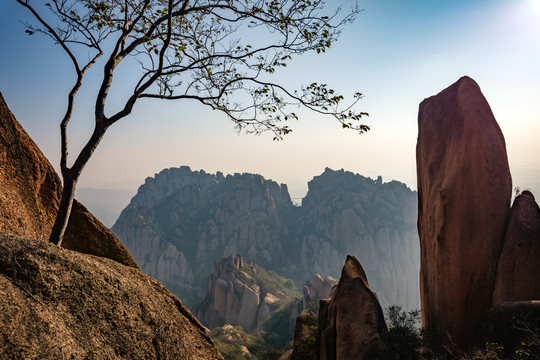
point(62, 304)
point(518, 271)
point(31, 192)
point(464, 191)
point(235, 296)
point(318, 288)
point(351, 323)
point(207, 217)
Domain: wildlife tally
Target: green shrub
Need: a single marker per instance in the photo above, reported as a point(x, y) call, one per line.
point(404, 336)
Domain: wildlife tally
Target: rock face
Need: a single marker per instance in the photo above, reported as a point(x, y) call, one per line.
point(31, 192)
point(236, 296)
point(181, 221)
point(518, 272)
point(62, 304)
point(464, 191)
point(351, 322)
point(478, 255)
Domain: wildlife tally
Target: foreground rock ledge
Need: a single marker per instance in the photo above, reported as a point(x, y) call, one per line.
point(60, 304)
point(30, 196)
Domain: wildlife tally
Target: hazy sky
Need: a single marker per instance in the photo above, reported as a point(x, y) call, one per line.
point(396, 53)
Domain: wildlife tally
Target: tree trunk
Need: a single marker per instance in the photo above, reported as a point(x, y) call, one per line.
point(64, 210)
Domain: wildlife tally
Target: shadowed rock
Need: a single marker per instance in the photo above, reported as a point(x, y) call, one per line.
point(464, 189)
point(351, 322)
point(31, 192)
point(510, 323)
point(60, 304)
point(305, 337)
point(518, 272)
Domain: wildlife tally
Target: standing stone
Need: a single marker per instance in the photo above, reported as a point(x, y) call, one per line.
point(518, 272)
point(351, 322)
point(464, 190)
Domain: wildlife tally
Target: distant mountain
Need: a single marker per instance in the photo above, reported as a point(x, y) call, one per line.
point(348, 214)
point(181, 221)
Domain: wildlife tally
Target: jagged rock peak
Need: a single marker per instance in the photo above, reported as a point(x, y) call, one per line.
point(352, 270)
point(171, 180)
point(351, 322)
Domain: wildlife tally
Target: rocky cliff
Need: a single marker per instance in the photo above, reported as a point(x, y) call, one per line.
point(60, 304)
point(31, 192)
point(238, 292)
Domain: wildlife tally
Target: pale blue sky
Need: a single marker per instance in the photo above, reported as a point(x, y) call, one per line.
point(397, 53)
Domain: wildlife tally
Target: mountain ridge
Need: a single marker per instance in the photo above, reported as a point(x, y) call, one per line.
point(181, 221)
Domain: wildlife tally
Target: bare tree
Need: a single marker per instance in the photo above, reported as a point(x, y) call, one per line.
point(221, 53)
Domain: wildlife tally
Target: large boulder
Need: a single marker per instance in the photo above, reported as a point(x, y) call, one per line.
point(31, 192)
point(518, 272)
point(351, 322)
point(464, 191)
point(60, 304)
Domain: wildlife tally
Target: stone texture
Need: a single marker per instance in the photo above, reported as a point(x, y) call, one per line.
point(518, 271)
point(351, 322)
point(464, 191)
point(31, 192)
point(60, 304)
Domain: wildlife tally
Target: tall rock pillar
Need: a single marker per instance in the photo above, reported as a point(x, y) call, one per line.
point(464, 192)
